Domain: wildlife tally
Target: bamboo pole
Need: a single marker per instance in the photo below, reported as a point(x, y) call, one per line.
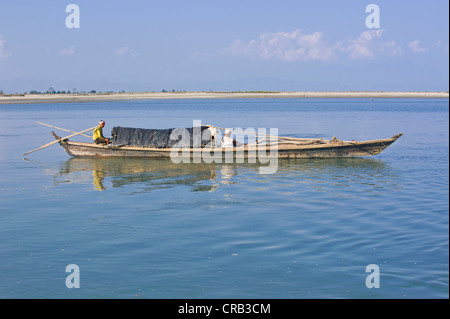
point(62, 129)
point(272, 136)
point(51, 143)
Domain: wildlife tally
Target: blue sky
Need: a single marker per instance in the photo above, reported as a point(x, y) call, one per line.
point(224, 46)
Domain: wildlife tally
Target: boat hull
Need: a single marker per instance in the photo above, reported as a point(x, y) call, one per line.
point(337, 149)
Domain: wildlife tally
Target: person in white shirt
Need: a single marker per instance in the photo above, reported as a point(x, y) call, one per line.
point(227, 141)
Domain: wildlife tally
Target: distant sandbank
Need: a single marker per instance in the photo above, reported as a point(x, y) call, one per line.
point(93, 97)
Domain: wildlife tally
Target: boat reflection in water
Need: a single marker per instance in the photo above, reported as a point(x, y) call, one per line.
point(159, 173)
point(104, 173)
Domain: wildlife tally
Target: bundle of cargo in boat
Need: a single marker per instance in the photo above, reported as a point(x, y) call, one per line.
point(160, 138)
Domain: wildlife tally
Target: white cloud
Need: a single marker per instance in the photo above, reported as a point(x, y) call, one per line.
point(363, 47)
point(298, 46)
point(124, 51)
point(392, 48)
point(284, 46)
point(416, 48)
point(67, 51)
point(3, 52)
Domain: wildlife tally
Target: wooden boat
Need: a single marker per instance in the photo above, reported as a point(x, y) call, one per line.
point(289, 148)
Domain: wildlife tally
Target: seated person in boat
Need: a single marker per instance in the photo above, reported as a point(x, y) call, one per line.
point(97, 135)
point(227, 141)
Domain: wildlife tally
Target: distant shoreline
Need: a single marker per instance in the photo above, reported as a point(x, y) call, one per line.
point(97, 97)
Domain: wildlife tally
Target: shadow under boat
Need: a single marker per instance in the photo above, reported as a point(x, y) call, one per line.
point(106, 173)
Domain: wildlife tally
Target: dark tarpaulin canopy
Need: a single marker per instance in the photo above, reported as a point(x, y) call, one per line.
point(160, 138)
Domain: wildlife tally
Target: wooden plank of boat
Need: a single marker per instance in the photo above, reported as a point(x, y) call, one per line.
point(332, 148)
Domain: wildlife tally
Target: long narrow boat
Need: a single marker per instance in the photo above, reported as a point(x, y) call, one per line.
point(314, 148)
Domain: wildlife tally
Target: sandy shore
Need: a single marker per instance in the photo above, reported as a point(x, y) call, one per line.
point(55, 98)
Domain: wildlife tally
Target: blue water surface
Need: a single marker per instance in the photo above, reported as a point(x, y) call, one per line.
point(155, 229)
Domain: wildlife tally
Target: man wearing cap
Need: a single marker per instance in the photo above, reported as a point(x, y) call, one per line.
point(97, 135)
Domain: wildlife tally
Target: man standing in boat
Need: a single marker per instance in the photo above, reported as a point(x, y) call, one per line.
point(97, 135)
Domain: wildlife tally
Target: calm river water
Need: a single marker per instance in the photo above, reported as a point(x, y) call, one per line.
point(154, 229)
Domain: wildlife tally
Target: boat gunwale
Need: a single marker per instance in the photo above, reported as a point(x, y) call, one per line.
point(292, 147)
